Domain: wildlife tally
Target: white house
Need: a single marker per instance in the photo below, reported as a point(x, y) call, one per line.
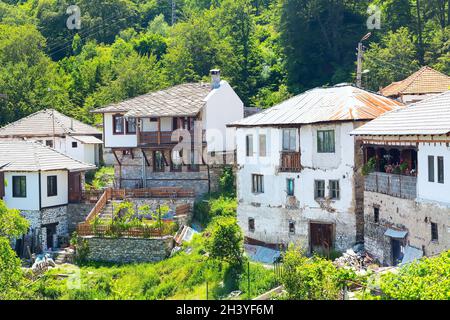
point(144, 134)
point(54, 129)
point(296, 174)
point(40, 182)
point(407, 187)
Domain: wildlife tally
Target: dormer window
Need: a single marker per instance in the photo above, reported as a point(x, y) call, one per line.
point(118, 127)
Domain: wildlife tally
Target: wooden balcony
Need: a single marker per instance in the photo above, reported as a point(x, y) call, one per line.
point(156, 138)
point(290, 162)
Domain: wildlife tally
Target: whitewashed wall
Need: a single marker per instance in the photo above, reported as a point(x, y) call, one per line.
point(270, 207)
point(117, 140)
point(62, 187)
point(31, 202)
point(223, 106)
point(433, 191)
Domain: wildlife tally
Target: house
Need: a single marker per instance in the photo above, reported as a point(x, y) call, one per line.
point(296, 178)
point(40, 182)
point(164, 138)
point(407, 187)
point(423, 84)
point(54, 129)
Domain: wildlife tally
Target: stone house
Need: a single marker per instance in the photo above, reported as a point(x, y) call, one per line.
point(56, 130)
point(170, 137)
point(407, 187)
point(296, 175)
point(421, 85)
point(40, 182)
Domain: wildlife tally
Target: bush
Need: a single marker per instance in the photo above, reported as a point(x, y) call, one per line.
point(226, 240)
point(312, 278)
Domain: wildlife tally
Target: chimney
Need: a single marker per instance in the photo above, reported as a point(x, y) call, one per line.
point(215, 78)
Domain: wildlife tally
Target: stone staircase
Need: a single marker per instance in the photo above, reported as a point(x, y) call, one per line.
point(107, 212)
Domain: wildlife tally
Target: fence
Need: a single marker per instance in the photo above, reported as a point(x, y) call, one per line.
point(86, 229)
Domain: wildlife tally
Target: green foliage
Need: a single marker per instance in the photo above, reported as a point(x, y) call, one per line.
point(12, 280)
point(216, 206)
point(226, 240)
point(103, 178)
point(312, 278)
point(226, 182)
point(426, 279)
point(369, 166)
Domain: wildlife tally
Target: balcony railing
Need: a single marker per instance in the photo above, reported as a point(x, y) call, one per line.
point(163, 137)
point(395, 185)
point(290, 162)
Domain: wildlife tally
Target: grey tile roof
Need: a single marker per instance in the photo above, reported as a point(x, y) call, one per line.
point(41, 124)
point(34, 156)
point(339, 103)
point(181, 100)
point(427, 117)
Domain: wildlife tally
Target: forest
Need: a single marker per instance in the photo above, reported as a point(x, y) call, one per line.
point(267, 49)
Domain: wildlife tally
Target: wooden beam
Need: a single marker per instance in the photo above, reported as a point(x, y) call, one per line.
point(145, 157)
point(159, 130)
point(117, 158)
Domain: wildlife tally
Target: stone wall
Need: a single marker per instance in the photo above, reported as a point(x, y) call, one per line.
point(128, 250)
point(272, 224)
point(76, 213)
point(408, 215)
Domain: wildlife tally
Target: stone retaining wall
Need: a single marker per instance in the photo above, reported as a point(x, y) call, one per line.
point(128, 250)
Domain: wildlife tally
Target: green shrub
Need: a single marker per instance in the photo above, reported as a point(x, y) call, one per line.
point(226, 240)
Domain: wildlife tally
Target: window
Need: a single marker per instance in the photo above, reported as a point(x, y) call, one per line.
point(74, 144)
point(319, 189)
point(325, 141)
point(153, 119)
point(291, 227)
point(52, 186)
point(376, 214)
point(177, 160)
point(118, 124)
point(434, 232)
point(251, 224)
point(19, 187)
point(249, 145)
point(440, 168)
point(430, 168)
point(158, 161)
point(49, 143)
point(262, 145)
point(289, 137)
point(334, 189)
point(257, 183)
point(131, 125)
point(290, 187)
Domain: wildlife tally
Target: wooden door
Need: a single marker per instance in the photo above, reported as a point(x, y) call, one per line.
point(74, 187)
point(321, 237)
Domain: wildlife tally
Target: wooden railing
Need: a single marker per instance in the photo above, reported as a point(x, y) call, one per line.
point(99, 206)
point(183, 209)
point(163, 137)
point(93, 196)
point(290, 162)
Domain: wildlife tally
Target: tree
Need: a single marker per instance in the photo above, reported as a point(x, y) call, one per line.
point(392, 60)
point(12, 225)
point(226, 240)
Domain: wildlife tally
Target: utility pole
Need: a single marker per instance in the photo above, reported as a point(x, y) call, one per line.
point(173, 11)
point(359, 71)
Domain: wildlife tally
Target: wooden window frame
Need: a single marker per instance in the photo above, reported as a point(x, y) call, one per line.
point(127, 126)
point(249, 145)
point(322, 147)
point(251, 224)
point(14, 182)
point(115, 121)
point(292, 137)
point(257, 183)
point(74, 144)
point(316, 189)
point(52, 192)
point(290, 194)
point(333, 189)
point(431, 170)
point(440, 170)
point(262, 145)
point(434, 232)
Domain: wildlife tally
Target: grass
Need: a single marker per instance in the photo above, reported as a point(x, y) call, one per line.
point(182, 276)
